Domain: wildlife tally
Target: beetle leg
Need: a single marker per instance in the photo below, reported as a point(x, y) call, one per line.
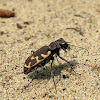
point(66, 61)
point(32, 51)
point(59, 64)
point(52, 72)
point(51, 65)
point(62, 58)
point(57, 59)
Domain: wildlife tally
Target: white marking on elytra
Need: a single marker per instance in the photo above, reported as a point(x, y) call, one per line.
point(37, 59)
point(32, 57)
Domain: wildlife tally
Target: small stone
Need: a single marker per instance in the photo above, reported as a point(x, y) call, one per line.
point(26, 23)
point(26, 38)
point(6, 13)
point(64, 76)
point(24, 77)
point(1, 32)
point(63, 89)
point(19, 26)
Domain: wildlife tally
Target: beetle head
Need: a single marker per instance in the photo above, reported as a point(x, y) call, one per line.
point(59, 44)
point(64, 45)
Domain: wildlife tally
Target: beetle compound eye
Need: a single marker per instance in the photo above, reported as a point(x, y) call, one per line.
point(67, 46)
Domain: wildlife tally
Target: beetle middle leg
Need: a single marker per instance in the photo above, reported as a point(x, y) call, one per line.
point(59, 64)
point(52, 72)
point(51, 65)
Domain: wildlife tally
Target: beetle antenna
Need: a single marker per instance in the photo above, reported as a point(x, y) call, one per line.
point(81, 48)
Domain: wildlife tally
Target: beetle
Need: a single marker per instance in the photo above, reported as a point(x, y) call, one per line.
point(43, 55)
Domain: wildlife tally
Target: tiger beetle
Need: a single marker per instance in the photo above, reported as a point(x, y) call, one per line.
point(45, 54)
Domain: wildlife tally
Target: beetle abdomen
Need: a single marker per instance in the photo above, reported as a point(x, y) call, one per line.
point(37, 57)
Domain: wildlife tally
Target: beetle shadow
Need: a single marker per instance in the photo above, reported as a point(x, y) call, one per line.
point(45, 72)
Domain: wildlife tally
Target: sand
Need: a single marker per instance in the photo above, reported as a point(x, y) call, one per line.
point(38, 23)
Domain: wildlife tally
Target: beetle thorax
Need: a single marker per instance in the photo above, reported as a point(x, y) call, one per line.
point(54, 46)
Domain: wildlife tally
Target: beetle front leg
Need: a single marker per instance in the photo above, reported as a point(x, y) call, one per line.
point(65, 61)
point(62, 58)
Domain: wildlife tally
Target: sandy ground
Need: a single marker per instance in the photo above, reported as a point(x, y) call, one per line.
point(76, 21)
